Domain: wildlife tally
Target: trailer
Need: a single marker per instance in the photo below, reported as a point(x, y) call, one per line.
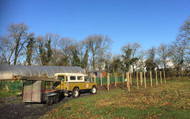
point(63, 81)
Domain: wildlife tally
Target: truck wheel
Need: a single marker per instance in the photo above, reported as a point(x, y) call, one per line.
point(56, 99)
point(75, 93)
point(93, 90)
point(50, 100)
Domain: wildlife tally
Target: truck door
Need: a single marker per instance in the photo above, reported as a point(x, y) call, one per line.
point(64, 84)
point(32, 91)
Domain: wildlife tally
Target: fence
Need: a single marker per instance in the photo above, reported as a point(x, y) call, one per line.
point(140, 79)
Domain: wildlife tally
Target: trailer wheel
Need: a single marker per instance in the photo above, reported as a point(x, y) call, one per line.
point(56, 99)
point(75, 93)
point(49, 100)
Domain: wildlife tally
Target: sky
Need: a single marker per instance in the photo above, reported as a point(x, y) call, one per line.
point(148, 22)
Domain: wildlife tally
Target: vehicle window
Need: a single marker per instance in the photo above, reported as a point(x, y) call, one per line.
point(79, 77)
point(61, 78)
point(86, 78)
point(72, 78)
point(66, 78)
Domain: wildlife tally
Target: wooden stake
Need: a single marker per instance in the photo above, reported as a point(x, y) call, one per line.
point(161, 77)
point(141, 78)
point(108, 81)
point(164, 77)
point(115, 79)
point(91, 78)
point(150, 78)
point(123, 76)
point(128, 82)
point(127, 77)
point(145, 79)
point(156, 76)
point(130, 74)
point(94, 78)
point(6, 86)
point(137, 81)
point(101, 79)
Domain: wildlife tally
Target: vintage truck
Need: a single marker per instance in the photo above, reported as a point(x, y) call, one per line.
point(47, 84)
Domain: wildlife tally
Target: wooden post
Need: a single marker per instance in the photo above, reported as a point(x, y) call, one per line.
point(130, 75)
point(128, 81)
point(123, 76)
point(145, 79)
point(156, 76)
point(164, 77)
point(101, 79)
point(161, 77)
point(151, 78)
point(115, 74)
point(6, 86)
point(137, 81)
point(94, 78)
point(108, 81)
point(141, 78)
point(91, 77)
point(127, 77)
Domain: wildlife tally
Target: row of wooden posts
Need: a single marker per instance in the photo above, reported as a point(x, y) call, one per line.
point(129, 79)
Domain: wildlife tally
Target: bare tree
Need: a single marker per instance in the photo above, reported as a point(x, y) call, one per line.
point(18, 32)
point(98, 45)
point(180, 49)
point(7, 49)
point(163, 54)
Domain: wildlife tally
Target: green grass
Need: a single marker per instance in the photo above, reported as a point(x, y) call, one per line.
point(171, 100)
point(4, 93)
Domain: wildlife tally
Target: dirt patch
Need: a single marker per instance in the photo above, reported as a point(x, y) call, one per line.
point(10, 109)
point(14, 108)
point(22, 111)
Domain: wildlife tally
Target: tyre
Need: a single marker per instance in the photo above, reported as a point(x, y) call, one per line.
point(49, 101)
point(93, 90)
point(75, 93)
point(56, 99)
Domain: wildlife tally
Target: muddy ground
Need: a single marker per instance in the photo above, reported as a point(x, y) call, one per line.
point(14, 108)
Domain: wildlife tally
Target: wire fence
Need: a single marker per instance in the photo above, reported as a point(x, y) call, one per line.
point(114, 78)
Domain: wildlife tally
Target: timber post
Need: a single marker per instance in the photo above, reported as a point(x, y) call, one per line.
point(115, 75)
point(100, 79)
point(161, 77)
point(128, 82)
point(137, 81)
point(108, 81)
point(94, 78)
point(164, 77)
point(156, 77)
point(141, 78)
point(145, 79)
point(151, 78)
point(130, 75)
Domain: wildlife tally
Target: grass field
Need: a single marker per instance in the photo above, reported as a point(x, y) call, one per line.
point(4, 93)
point(171, 100)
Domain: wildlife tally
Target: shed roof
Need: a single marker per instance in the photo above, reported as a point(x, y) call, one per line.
point(8, 71)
